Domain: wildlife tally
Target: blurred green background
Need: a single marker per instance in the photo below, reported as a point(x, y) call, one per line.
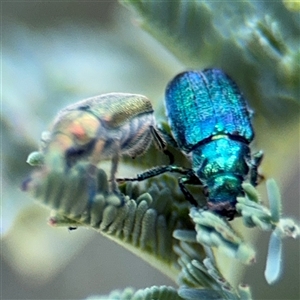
point(56, 53)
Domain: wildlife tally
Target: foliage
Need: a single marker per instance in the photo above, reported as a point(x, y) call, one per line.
point(255, 42)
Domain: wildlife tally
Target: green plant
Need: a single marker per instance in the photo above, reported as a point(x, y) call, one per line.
point(257, 44)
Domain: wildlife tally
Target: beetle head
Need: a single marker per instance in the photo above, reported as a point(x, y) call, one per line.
point(223, 191)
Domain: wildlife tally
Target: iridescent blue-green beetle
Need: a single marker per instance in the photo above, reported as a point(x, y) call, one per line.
point(100, 128)
point(210, 123)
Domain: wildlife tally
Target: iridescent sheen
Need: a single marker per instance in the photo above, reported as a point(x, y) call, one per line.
point(204, 104)
point(210, 122)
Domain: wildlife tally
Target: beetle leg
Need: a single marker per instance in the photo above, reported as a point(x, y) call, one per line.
point(92, 170)
point(114, 167)
point(190, 178)
point(161, 144)
point(154, 172)
point(167, 136)
point(92, 183)
point(96, 153)
point(113, 171)
point(255, 177)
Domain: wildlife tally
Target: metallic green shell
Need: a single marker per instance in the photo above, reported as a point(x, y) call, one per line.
point(201, 104)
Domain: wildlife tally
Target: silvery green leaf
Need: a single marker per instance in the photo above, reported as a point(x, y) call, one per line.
point(285, 228)
point(265, 75)
point(273, 264)
point(214, 231)
point(197, 271)
point(274, 200)
point(151, 293)
point(137, 224)
point(209, 33)
point(185, 235)
point(68, 61)
point(199, 294)
point(251, 192)
point(256, 214)
point(35, 159)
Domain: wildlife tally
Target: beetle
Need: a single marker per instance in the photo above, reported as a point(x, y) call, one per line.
point(211, 124)
point(100, 128)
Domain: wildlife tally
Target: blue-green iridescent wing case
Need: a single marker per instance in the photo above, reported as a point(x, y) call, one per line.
point(212, 103)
